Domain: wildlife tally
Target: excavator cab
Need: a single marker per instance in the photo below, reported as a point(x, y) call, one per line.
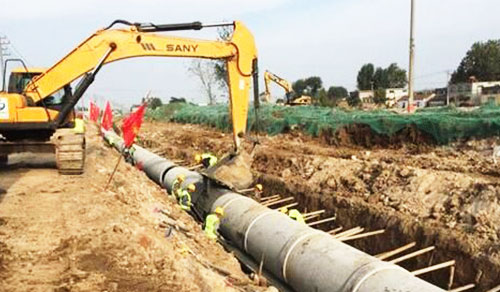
point(19, 79)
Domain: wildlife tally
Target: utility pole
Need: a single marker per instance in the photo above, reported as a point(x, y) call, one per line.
point(3, 53)
point(412, 57)
point(448, 88)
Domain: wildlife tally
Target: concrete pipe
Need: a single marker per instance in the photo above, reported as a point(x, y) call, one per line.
point(305, 258)
point(153, 165)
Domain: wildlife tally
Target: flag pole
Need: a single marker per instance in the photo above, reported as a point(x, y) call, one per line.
point(114, 170)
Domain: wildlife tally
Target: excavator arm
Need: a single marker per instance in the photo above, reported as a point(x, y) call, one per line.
point(110, 45)
point(270, 77)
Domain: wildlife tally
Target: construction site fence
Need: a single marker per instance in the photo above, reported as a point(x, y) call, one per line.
point(443, 124)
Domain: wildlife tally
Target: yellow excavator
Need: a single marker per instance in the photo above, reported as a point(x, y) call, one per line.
point(37, 107)
point(287, 86)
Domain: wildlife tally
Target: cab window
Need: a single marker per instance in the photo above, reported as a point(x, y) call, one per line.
point(19, 81)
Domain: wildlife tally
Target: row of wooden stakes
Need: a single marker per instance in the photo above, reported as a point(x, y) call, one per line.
point(276, 202)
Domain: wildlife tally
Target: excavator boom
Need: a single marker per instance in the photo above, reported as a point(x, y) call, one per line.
point(138, 40)
point(287, 86)
point(29, 113)
point(270, 77)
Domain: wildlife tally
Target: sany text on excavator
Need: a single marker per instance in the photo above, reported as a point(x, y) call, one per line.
point(287, 86)
point(37, 108)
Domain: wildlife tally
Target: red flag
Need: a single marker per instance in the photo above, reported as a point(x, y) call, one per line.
point(107, 117)
point(93, 112)
point(131, 125)
point(97, 112)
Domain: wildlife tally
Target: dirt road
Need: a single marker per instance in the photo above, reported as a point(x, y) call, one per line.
point(66, 233)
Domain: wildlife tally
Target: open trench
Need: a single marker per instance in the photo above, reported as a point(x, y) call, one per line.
point(288, 172)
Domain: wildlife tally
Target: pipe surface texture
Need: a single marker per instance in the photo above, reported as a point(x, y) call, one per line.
point(305, 258)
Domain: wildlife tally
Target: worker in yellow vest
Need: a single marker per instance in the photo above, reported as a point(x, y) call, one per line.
point(206, 159)
point(212, 223)
point(294, 214)
point(185, 197)
point(79, 127)
point(258, 190)
point(176, 185)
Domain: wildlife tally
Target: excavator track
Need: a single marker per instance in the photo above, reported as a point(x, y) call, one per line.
point(70, 151)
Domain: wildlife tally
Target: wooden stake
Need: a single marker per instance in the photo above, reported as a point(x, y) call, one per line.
point(245, 190)
point(452, 277)
point(312, 217)
point(114, 170)
point(278, 201)
point(412, 255)
point(314, 213)
point(463, 288)
point(322, 221)
point(333, 231)
point(287, 206)
point(433, 268)
point(271, 201)
point(194, 167)
point(496, 289)
point(362, 235)
point(268, 198)
point(349, 232)
point(388, 254)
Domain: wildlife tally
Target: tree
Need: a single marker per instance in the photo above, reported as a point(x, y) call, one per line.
point(174, 99)
point(332, 96)
point(365, 77)
point(204, 70)
point(337, 92)
point(310, 86)
point(323, 99)
point(314, 85)
point(481, 61)
point(390, 77)
point(353, 99)
point(379, 96)
point(225, 33)
point(380, 79)
point(299, 86)
point(395, 76)
point(154, 102)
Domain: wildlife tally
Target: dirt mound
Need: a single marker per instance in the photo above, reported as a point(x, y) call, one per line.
point(365, 136)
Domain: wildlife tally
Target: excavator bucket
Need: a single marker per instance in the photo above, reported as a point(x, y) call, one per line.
point(232, 171)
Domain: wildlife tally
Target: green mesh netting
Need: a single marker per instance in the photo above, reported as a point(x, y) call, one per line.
point(443, 124)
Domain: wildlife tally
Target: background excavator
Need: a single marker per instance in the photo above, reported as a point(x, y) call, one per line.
point(287, 86)
point(37, 108)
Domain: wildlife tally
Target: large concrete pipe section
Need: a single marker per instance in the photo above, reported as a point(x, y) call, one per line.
point(305, 258)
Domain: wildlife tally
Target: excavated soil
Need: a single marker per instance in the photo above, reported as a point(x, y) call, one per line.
point(69, 233)
point(446, 196)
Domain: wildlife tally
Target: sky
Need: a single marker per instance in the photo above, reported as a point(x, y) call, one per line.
point(331, 39)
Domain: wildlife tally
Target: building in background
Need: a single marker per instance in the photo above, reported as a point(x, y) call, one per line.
point(393, 95)
point(366, 96)
point(470, 93)
point(490, 94)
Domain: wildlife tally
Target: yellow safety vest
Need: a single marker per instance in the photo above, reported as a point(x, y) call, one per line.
point(211, 225)
point(176, 187)
point(295, 215)
point(212, 160)
point(185, 200)
point(79, 127)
